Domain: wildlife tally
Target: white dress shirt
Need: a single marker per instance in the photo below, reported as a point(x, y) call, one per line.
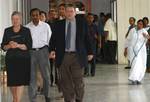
point(111, 28)
point(40, 34)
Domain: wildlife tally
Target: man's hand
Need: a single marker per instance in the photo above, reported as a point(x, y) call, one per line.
point(90, 57)
point(52, 55)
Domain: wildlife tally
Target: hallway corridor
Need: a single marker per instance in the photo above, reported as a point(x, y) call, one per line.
point(109, 85)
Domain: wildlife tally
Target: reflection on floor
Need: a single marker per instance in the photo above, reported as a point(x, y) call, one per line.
point(109, 85)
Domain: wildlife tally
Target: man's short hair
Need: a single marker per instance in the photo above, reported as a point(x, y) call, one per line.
point(102, 14)
point(80, 6)
point(34, 9)
point(43, 12)
point(90, 14)
point(62, 4)
point(108, 15)
point(70, 5)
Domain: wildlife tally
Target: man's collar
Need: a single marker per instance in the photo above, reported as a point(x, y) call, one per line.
point(40, 22)
point(71, 20)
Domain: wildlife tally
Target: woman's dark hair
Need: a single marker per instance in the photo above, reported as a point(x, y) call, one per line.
point(132, 18)
point(146, 18)
point(34, 9)
point(140, 20)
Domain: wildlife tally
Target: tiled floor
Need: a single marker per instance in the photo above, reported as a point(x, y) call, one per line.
point(109, 85)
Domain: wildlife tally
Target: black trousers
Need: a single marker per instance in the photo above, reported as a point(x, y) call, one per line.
point(110, 50)
point(53, 72)
point(92, 63)
point(91, 68)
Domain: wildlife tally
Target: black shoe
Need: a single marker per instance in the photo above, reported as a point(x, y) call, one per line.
point(78, 101)
point(133, 83)
point(52, 85)
point(86, 74)
point(127, 67)
point(139, 83)
point(40, 91)
point(47, 99)
point(67, 101)
point(92, 75)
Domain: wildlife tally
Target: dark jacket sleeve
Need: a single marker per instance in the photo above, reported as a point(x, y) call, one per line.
point(52, 42)
point(28, 41)
point(5, 40)
point(88, 41)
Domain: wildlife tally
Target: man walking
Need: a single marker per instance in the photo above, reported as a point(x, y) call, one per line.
point(70, 44)
point(41, 34)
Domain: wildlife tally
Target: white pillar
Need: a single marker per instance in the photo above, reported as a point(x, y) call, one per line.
point(6, 9)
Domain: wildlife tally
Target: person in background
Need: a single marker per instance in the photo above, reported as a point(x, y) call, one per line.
point(146, 23)
point(110, 40)
point(70, 45)
point(98, 44)
point(53, 18)
point(61, 16)
point(135, 50)
point(147, 28)
point(93, 33)
point(132, 21)
point(43, 16)
point(17, 43)
point(61, 11)
point(101, 24)
point(41, 33)
point(96, 19)
point(52, 15)
point(80, 10)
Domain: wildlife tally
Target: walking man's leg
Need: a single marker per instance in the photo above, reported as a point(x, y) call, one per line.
point(44, 68)
point(32, 87)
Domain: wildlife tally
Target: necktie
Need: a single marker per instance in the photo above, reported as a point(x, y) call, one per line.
point(68, 36)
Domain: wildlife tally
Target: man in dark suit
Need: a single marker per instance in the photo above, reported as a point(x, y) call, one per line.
point(70, 44)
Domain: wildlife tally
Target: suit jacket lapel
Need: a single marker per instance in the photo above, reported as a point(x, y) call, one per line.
point(64, 29)
point(77, 29)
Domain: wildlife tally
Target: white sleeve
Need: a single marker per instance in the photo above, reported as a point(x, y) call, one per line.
point(145, 31)
point(106, 27)
point(49, 33)
point(129, 38)
point(27, 25)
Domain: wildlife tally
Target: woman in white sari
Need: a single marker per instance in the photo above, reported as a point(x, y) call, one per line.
point(135, 50)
